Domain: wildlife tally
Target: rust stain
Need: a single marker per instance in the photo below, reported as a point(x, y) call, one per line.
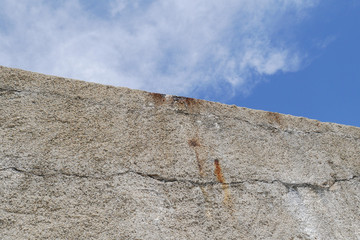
point(218, 172)
point(206, 198)
point(200, 159)
point(220, 177)
point(188, 103)
point(158, 98)
point(199, 152)
point(195, 143)
point(185, 102)
point(274, 117)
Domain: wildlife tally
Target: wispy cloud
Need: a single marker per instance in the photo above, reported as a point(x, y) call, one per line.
point(184, 47)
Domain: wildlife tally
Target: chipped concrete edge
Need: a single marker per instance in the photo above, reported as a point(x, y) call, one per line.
point(19, 80)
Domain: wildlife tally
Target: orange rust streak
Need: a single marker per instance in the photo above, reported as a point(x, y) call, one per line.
point(218, 171)
point(158, 98)
point(200, 162)
point(221, 179)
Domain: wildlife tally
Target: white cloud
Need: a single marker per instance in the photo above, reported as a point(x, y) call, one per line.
point(325, 42)
point(183, 47)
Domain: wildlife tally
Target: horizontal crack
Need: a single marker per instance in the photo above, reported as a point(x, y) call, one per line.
point(61, 173)
point(11, 211)
point(170, 180)
point(8, 90)
point(289, 186)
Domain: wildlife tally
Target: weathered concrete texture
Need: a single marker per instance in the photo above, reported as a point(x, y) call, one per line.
point(86, 161)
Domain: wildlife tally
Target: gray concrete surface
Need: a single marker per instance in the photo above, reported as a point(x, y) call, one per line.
point(85, 161)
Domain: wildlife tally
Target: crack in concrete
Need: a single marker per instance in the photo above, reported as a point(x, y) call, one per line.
point(289, 186)
point(8, 90)
point(60, 173)
point(11, 211)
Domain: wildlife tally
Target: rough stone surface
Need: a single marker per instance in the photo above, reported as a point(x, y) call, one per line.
point(86, 161)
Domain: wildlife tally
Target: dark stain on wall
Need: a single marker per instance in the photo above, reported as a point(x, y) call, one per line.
point(225, 186)
point(158, 98)
point(274, 117)
point(195, 143)
point(188, 102)
point(218, 172)
point(182, 102)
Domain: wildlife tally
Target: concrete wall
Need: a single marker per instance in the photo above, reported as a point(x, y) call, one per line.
point(86, 161)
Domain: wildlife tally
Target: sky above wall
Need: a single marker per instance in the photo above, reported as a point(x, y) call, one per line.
point(298, 57)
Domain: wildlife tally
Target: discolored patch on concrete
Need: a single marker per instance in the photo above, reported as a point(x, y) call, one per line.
point(81, 160)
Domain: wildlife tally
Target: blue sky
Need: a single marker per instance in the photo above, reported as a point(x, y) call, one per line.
point(298, 57)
